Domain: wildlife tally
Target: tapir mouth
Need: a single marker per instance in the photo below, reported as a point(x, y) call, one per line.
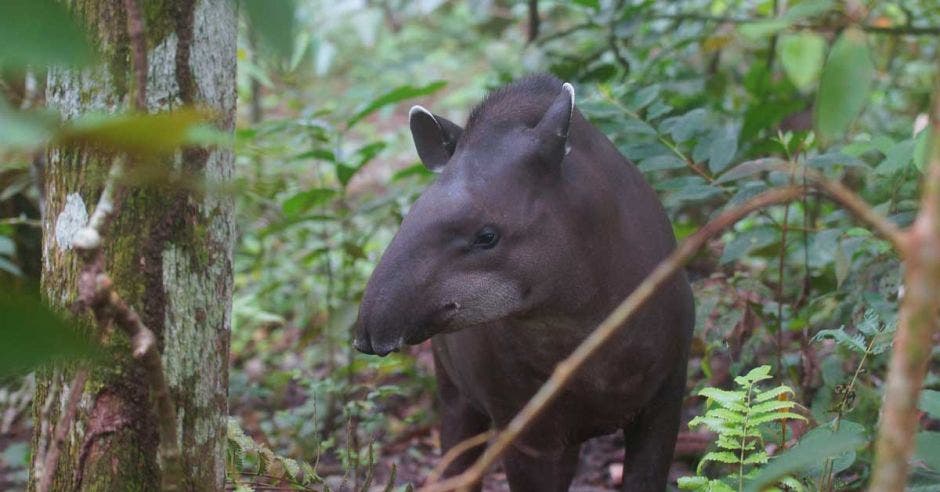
point(441, 322)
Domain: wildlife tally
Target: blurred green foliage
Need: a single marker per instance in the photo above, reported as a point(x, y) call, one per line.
point(707, 97)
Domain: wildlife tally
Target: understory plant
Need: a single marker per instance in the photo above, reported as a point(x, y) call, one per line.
point(739, 417)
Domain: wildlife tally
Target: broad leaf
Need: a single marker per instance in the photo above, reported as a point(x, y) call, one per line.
point(32, 335)
point(802, 57)
point(845, 85)
point(395, 95)
point(808, 453)
point(273, 21)
point(142, 134)
point(37, 33)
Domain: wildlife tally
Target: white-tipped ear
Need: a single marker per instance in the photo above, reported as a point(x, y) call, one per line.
point(435, 137)
point(570, 90)
point(418, 109)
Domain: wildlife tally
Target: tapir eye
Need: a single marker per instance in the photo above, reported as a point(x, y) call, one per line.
point(486, 238)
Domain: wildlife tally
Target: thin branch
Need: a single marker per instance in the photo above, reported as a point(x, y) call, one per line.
point(566, 369)
point(917, 322)
point(533, 20)
point(21, 221)
point(457, 451)
point(893, 31)
point(51, 459)
point(566, 32)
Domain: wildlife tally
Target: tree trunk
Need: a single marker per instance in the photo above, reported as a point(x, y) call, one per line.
point(168, 251)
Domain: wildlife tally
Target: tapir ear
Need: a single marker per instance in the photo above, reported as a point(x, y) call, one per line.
point(435, 137)
point(552, 130)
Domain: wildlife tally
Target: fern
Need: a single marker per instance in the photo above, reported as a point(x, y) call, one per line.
point(737, 417)
point(270, 465)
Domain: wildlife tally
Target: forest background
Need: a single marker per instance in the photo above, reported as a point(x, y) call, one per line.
point(716, 101)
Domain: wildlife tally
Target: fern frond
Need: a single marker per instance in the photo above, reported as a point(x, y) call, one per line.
point(854, 343)
point(772, 406)
point(775, 417)
point(758, 458)
point(719, 457)
point(773, 393)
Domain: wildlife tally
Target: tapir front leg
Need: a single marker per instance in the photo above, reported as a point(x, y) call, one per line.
point(527, 473)
point(459, 421)
point(650, 440)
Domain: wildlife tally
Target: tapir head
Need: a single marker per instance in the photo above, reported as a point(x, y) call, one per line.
point(484, 242)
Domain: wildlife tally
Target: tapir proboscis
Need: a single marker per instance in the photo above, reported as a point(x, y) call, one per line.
point(535, 228)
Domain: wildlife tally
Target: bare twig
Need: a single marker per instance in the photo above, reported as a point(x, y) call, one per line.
point(917, 322)
point(457, 451)
point(894, 31)
point(533, 20)
point(51, 459)
point(566, 369)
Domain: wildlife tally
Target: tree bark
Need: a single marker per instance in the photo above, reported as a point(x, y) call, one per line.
point(168, 251)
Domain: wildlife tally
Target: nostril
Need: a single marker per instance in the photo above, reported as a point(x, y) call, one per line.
point(363, 344)
point(452, 306)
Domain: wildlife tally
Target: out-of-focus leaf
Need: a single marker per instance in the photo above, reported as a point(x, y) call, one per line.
point(31, 334)
point(897, 158)
point(395, 95)
point(661, 162)
point(414, 170)
point(41, 32)
point(761, 29)
point(305, 200)
point(721, 150)
point(748, 241)
point(844, 86)
point(750, 168)
point(345, 172)
point(24, 130)
point(928, 448)
point(143, 134)
point(930, 403)
point(594, 4)
point(843, 264)
point(273, 20)
point(802, 57)
point(807, 455)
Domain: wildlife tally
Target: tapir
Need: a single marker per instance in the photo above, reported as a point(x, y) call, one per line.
point(534, 229)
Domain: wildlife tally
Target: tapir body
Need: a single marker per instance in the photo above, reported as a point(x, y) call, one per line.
point(534, 231)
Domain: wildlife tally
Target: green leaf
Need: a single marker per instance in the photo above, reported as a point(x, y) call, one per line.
point(273, 20)
point(750, 168)
point(305, 200)
point(721, 148)
point(844, 86)
point(802, 57)
point(772, 393)
point(842, 264)
point(594, 4)
point(898, 157)
point(32, 335)
point(856, 344)
point(717, 456)
point(928, 448)
point(395, 95)
point(692, 483)
point(807, 454)
point(24, 130)
point(759, 373)
point(142, 134)
point(930, 403)
point(755, 31)
point(748, 241)
point(413, 170)
point(41, 32)
point(661, 162)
